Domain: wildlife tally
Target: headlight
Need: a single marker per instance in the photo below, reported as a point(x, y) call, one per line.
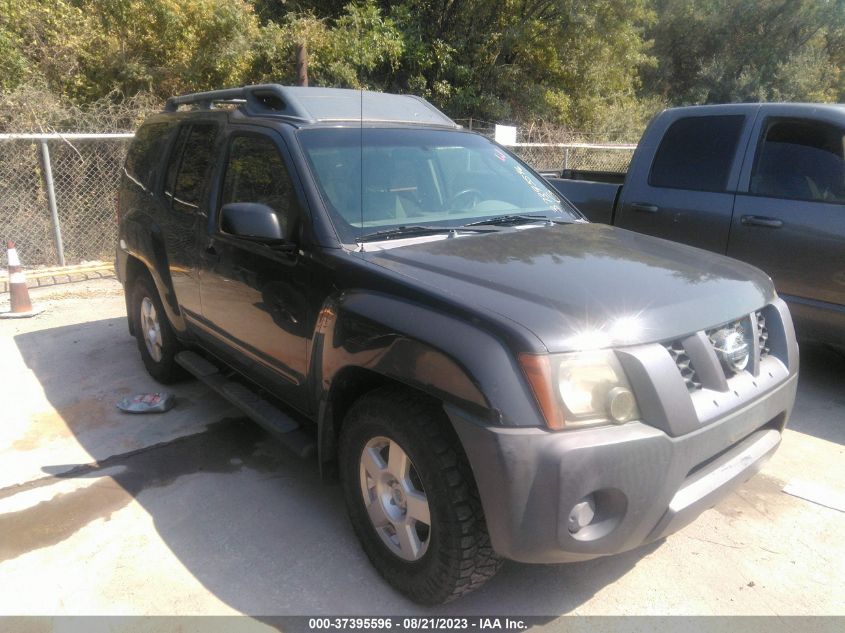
point(594, 388)
point(580, 389)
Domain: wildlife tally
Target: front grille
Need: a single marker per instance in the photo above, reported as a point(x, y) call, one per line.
point(728, 355)
point(684, 363)
point(762, 334)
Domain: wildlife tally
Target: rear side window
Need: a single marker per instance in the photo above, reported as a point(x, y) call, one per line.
point(255, 172)
point(696, 153)
point(801, 160)
point(144, 157)
point(173, 161)
point(193, 153)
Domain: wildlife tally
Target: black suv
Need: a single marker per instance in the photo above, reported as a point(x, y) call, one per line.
point(489, 375)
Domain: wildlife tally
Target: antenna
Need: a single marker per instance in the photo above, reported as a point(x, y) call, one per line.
point(361, 166)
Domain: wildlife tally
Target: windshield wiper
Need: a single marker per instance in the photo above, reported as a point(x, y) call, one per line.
point(412, 230)
point(513, 218)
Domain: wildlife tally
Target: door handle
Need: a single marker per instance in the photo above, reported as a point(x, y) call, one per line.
point(759, 220)
point(644, 207)
point(210, 254)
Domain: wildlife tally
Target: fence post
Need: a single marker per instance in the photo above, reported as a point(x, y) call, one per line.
point(51, 200)
point(566, 158)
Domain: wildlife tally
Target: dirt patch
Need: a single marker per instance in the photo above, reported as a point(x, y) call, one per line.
point(757, 493)
point(65, 422)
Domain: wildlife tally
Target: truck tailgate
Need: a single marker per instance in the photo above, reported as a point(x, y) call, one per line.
point(596, 200)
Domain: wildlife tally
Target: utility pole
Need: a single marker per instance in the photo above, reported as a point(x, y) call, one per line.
point(301, 65)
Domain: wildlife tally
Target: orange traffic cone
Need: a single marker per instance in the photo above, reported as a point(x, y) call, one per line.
point(21, 306)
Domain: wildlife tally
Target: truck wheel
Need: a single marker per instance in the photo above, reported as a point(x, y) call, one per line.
point(412, 498)
point(156, 341)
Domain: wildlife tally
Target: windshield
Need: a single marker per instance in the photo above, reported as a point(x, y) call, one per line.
point(421, 177)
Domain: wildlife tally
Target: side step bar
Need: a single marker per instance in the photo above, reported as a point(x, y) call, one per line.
point(283, 427)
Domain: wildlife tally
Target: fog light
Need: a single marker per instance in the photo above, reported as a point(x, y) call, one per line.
point(621, 405)
point(582, 514)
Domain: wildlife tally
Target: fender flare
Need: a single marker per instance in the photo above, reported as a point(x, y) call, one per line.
point(152, 256)
point(388, 338)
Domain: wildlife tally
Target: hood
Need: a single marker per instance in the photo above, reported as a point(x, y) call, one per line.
point(580, 286)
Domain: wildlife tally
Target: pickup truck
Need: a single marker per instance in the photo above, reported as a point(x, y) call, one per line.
point(488, 374)
point(764, 183)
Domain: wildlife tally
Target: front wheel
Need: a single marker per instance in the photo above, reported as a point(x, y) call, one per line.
point(412, 498)
point(156, 340)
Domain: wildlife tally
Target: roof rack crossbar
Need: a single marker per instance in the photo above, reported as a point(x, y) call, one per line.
point(203, 99)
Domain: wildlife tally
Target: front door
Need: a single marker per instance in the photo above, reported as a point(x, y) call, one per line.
point(254, 294)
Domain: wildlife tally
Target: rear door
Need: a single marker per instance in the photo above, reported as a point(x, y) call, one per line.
point(254, 296)
point(789, 218)
point(185, 188)
point(685, 192)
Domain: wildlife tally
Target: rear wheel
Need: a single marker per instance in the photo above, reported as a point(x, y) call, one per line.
point(412, 498)
point(156, 340)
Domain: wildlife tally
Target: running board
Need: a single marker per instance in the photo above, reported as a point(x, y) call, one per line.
point(282, 426)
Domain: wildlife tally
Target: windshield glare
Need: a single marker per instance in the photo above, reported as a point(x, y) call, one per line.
point(421, 177)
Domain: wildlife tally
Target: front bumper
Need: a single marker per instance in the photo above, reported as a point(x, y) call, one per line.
point(647, 480)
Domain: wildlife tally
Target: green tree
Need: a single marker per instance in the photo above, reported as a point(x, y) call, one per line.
point(166, 46)
point(40, 42)
point(563, 60)
point(715, 51)
point(602, 65)
point(356, 49)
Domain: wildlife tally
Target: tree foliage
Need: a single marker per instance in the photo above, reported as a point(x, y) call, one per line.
point(602, 65)
point(352, 50)
point(715, 51)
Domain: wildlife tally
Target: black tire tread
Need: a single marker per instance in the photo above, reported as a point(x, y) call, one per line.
point(470, 560)
point(167, 371)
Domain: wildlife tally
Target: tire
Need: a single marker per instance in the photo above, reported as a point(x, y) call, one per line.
point(159, 358)
point(454, 555)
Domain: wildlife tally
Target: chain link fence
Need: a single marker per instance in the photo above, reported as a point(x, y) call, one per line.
point(57, 191)
point(552, 148)
point(57, 195)
point(555, 157)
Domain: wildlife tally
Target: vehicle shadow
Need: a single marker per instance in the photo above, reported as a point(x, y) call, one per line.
point(820, 403)
point(254, 524)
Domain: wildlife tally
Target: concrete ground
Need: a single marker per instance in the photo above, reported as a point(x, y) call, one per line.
point(196, 511)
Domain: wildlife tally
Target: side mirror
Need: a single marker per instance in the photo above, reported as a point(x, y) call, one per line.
point(252, 221)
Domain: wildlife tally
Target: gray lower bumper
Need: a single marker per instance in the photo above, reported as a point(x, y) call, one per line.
point(646, 483)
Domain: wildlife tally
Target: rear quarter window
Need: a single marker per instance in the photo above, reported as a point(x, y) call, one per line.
point(190, 165)
point(696, 153)
point(143, 160)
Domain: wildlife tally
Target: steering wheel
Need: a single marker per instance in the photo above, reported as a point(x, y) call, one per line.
point(464, 200)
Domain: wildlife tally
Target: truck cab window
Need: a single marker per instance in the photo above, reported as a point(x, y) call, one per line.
point(696, 153)
point(801, 160)
point(255, 172)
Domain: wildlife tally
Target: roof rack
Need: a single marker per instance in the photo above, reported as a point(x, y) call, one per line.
point(263, 98)
point(311, 105)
